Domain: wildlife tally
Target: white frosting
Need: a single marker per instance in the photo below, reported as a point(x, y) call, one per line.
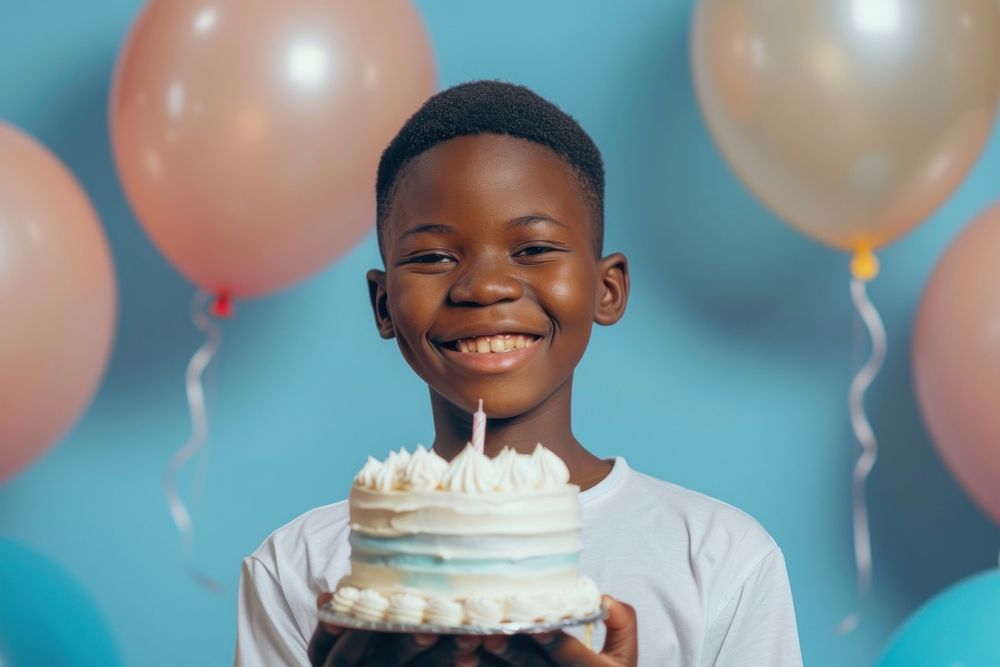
point(442, 611)
point(406, 608)
point(484, 610)
point(549, 607)
point(424, 470)
point(371, 606)
point(530, 605)
point(344, 599)
point(404, 457)
point(366, 476)
point(434, 512)
point(514, 471)
point(520, 608)
point(585, 599)
point(469, 472)
point(387, 477)
point(552, 472)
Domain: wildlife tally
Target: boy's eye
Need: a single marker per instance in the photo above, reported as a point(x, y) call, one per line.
point(533, 250)
point(428, 258)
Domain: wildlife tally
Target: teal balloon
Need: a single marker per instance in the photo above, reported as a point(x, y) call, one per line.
point(959, 627)
point(46, 617)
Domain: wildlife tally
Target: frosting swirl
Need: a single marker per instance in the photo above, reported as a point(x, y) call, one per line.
point(366, 476)
point(514, 471)
point(406, 608)
point(371, 606)
point(441, 611)
point(344, 599)
point(520, 608)
point(469, 472)
point(586, 598)
point(424, 470)
point(484, 610)
point(387, 478)
point(552, 472)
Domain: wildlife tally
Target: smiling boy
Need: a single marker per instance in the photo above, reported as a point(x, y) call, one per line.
point(490, 226)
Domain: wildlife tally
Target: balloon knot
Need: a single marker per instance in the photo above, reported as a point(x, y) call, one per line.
point(223, 305)
point(864, 265)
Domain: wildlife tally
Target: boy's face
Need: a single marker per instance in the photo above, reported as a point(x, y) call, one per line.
point(490, 245)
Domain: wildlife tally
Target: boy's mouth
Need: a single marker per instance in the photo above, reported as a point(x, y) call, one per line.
point(493, 343)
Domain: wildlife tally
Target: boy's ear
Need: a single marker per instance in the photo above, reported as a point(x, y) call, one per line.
point(380, 303)
point(612, 292)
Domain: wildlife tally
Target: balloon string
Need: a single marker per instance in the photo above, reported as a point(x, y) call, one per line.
point(869, 445)
point(198, 442)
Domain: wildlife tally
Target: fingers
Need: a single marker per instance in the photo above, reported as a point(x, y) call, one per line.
point(450, 650)
point(564, 649)
point(519, 650)
point(322, 642)
point(350, 648)
point(392, 650)
point(622, 639)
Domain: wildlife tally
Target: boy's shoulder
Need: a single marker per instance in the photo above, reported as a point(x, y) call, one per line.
point(706, 525)
point(314, 536)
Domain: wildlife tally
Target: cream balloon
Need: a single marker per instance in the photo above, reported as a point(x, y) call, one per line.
point(956, 359)
point(851, 119)
point(57, 300)
point(247, 132)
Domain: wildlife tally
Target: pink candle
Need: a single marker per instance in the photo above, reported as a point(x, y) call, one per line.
point(479, 428)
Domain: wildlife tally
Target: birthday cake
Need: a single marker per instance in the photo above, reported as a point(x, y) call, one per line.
point(478, 541)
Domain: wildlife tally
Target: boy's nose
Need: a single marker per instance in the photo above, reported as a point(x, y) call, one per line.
point(485, 282)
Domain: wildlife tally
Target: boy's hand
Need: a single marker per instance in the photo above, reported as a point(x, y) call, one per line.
point(332, 646)
point(621, 645)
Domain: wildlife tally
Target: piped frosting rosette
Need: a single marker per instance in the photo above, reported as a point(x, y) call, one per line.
point(476, 541)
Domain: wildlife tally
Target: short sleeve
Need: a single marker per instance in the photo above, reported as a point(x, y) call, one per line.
point(266, 633)
point(757, 625)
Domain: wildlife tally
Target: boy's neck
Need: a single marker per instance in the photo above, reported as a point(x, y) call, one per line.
point(548, 423)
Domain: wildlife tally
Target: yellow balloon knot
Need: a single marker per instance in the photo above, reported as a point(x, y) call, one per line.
point(864, 265)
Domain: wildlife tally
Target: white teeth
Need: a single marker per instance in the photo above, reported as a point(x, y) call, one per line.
point(491, 344)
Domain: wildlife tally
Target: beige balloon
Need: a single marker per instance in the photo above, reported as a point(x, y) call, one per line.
point(851, 119)
point(247, 132)
point(57, 300)
point(956, 359)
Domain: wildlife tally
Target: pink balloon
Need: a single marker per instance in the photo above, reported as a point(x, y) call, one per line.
point(956, 359)
point(247, 132)
point(57, 300)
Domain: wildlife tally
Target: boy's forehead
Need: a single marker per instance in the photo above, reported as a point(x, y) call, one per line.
point(488, 176)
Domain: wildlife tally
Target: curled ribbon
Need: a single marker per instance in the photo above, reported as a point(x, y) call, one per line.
point(869, 445)
point(198, 441)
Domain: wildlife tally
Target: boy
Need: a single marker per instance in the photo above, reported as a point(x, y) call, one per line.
point(490, 224)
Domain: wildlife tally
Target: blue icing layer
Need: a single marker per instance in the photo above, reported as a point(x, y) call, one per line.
point(490, 565)
point(422, 543)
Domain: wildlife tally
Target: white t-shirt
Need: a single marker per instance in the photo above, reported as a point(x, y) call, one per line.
point(708, 583)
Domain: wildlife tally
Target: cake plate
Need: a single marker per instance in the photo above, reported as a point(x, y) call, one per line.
point(327, 615)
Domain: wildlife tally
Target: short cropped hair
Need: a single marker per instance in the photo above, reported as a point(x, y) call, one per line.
point(492, 107)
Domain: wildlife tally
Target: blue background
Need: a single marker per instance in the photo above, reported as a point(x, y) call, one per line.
point(728, 375)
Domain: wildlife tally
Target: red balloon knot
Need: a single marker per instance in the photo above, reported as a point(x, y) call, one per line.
point(223, 306)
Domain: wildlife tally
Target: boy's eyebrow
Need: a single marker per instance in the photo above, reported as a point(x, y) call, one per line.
point(531, 220)
point(427, 229)
point(448, 229)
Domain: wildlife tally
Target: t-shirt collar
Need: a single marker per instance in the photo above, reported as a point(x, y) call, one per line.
point(608, 485)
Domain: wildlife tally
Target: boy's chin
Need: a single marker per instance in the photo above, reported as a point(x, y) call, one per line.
point(499, 402)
